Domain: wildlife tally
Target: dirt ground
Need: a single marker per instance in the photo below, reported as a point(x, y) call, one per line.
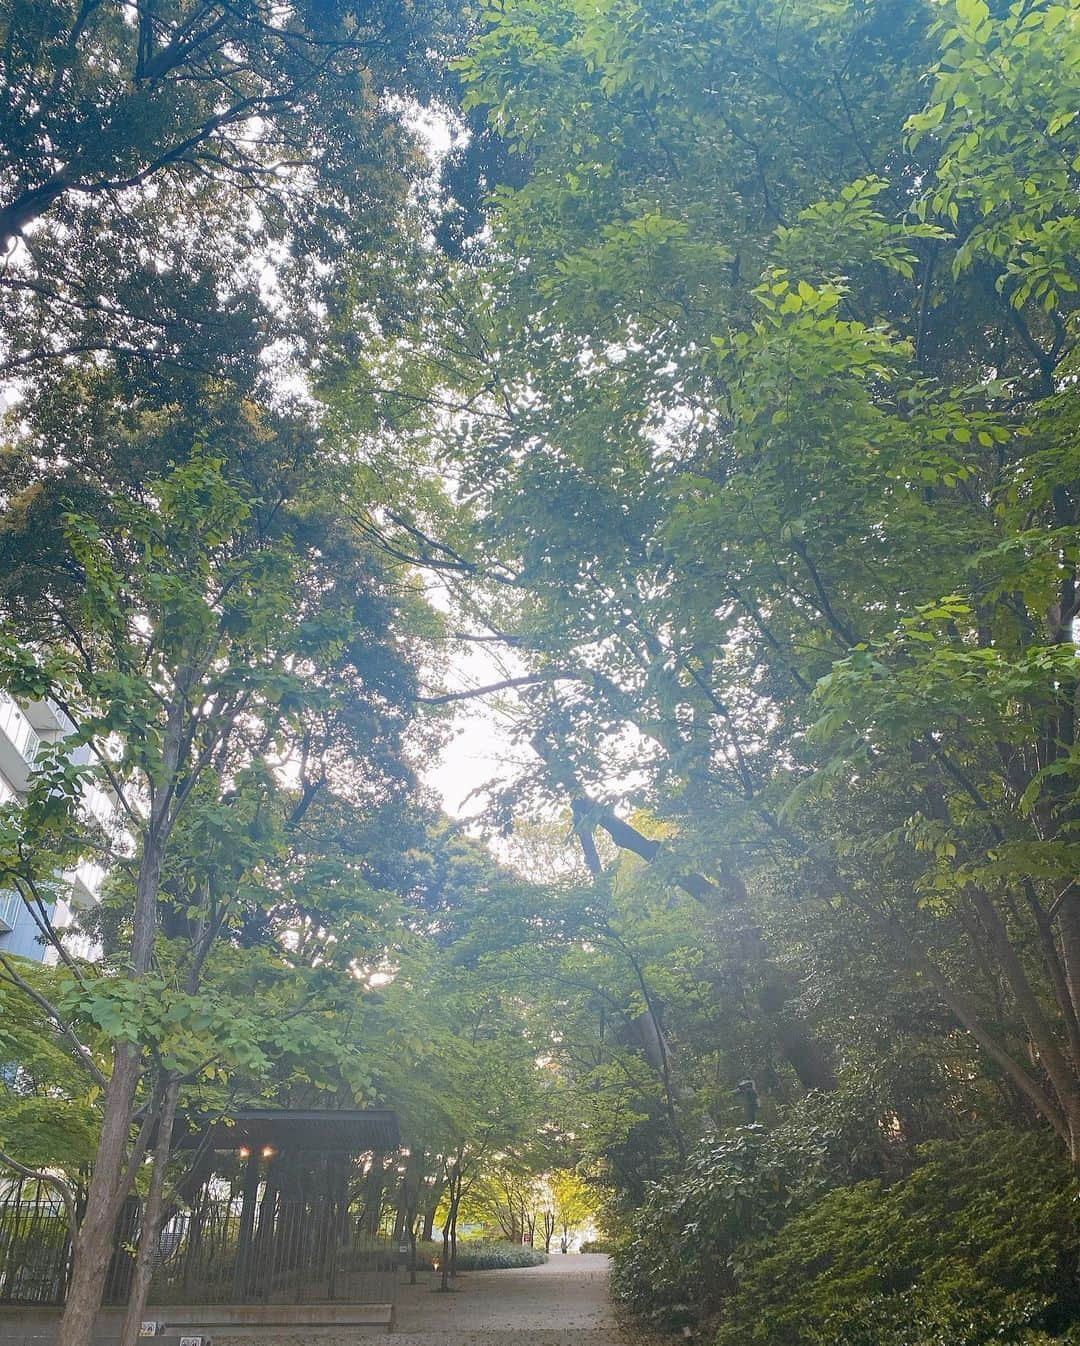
point(563, 1303)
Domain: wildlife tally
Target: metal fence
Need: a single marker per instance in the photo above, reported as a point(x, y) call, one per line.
point(286, 1251)
point(296, 1252)
point(35, 1251)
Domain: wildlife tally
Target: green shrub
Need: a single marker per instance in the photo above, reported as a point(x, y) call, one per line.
point(478, 1255)
point(980, 1242)
point(686, 1250)
point(598, 1246)
point(427, 1252)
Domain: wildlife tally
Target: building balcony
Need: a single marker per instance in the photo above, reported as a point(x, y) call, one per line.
point(48, 719)
point(19, 743)
point(10, 906)
point(100, 806)
point(85, 882)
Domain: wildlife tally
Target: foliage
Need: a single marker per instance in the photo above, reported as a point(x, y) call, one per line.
point(212, 634)
point(480, 1254)
point(575, 1201)
point(503, 1199)
point(687, 1246)
point(158, 164)
point(47, 1099)
point(742, 432)
point(767, 473)
point(474, 1255)
point(764, 440)
point(978, 1243)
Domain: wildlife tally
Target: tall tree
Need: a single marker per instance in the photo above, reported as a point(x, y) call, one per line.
point(766, 411)
point(206, 634)
point(190, 182)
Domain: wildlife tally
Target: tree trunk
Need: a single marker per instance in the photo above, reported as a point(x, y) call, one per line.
point(415, 1179)
point(1069, 927)
point(150, 1227)
point(805, 1053)
point(431, 1210)
point(111, 1174)
point(455, 1202)
point(94, 1245)
point(444, 1260)
point(15, 216)
point(449, 1252)
point(270, 1221)
point(373, 1196)
point(808, 1057)
point(245, 1237)
point(401, 1214)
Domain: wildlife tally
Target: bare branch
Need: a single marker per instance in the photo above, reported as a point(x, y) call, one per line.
point(526, 680)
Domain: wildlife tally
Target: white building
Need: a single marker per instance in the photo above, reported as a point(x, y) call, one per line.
point(23, 731)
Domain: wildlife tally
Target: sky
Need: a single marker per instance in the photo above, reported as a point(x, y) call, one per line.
point(481, 748)
point(474, 756)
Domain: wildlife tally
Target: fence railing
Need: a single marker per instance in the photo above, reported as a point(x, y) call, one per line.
point(294, 1251)
point(35, 1250)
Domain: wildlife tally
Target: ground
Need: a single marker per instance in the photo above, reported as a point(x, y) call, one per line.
point(563, 1303)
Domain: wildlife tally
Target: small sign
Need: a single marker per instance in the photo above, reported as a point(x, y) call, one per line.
point(403, 1249)
point(192, 1341)
point(148, 1329)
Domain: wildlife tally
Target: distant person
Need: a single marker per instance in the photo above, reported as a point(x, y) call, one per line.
point(564, 1245)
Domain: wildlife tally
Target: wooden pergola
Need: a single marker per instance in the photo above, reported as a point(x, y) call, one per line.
point(270, 1214)
point(273, 1213)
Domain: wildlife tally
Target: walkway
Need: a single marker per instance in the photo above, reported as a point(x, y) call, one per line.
point(563, 1303)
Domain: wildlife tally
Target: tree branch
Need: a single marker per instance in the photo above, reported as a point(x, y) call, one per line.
point(67, 1196)
point(55, 1018)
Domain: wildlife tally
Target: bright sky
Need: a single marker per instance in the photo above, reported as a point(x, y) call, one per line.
point(481, 749)
point(474, 756)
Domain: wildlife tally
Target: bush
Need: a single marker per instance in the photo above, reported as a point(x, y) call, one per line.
point(979, 1242)
point(598, 1246)
point(686, 1250)
point(427, 1252)
point(479, 1255)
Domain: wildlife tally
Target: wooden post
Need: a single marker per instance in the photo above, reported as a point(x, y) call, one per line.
point(247, 1227)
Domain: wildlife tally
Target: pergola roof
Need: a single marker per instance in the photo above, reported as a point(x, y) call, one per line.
point(350, 1131)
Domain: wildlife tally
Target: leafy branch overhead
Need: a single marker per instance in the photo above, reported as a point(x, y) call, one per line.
point(672, 403)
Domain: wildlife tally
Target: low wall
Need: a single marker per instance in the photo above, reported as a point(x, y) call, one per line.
point(37, 1326)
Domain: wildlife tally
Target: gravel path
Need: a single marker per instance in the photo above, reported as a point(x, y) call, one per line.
point(563, 1303)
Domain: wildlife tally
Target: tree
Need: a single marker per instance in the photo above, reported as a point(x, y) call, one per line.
point(574, 1203)
point(504, 1200)
point(493, 1104)
point(202, 641)
point(751, 459)
point(47, 1098)
point(154, 161)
